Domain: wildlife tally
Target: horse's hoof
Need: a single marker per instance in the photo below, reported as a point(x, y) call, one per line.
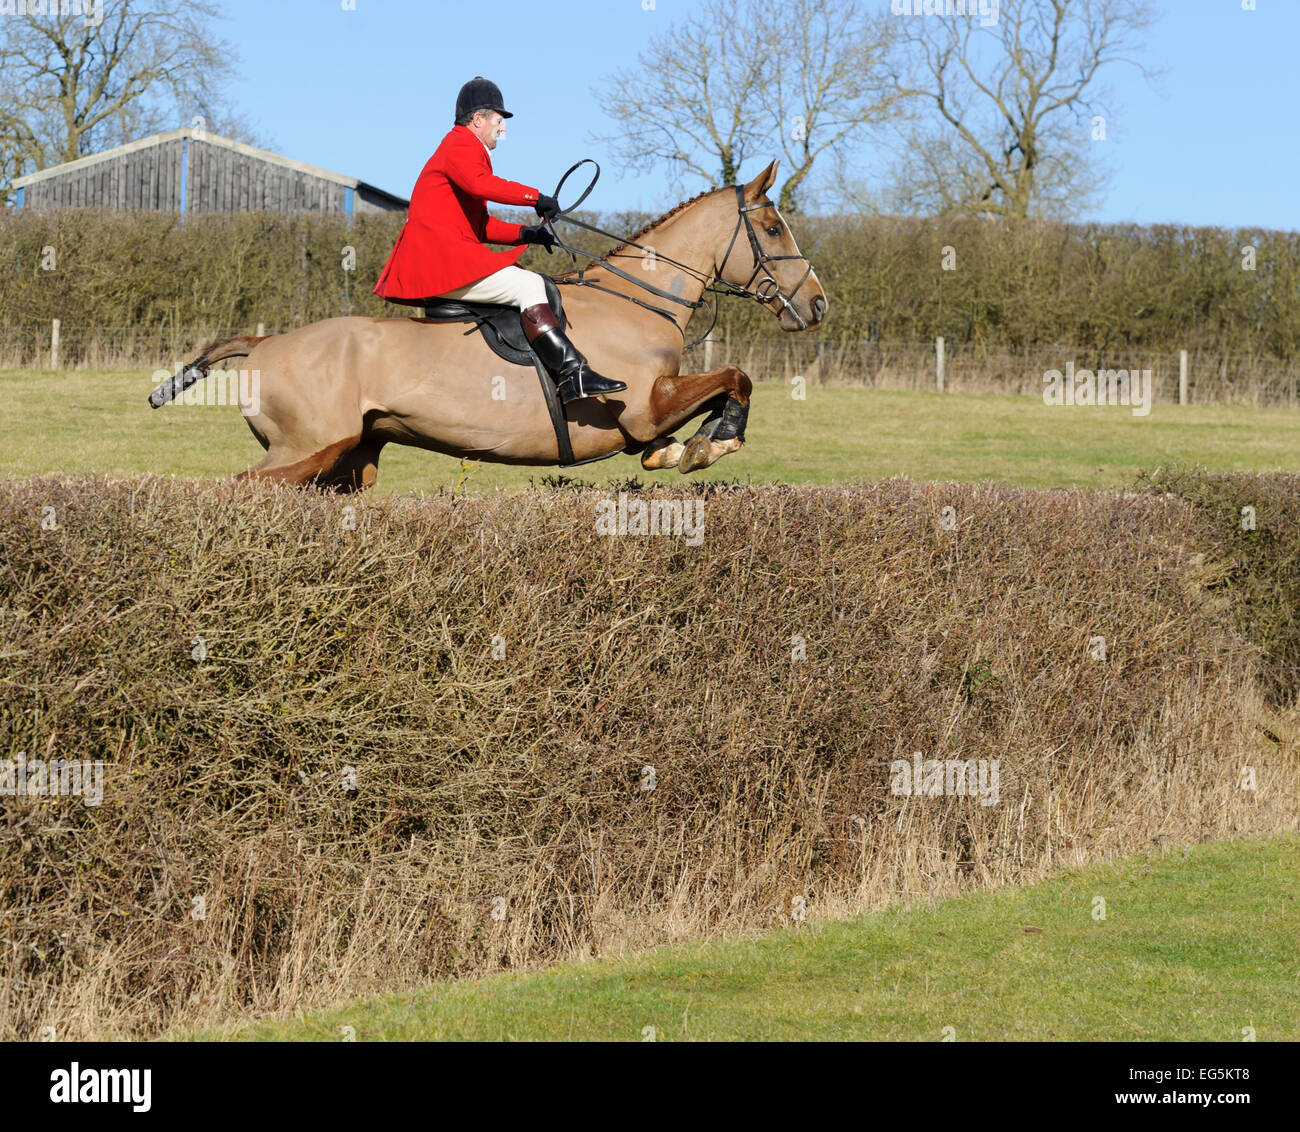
point(697, 454)
point(667, 455)
point(701, 451)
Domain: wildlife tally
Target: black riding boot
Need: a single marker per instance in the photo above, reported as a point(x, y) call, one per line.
point(568, 369)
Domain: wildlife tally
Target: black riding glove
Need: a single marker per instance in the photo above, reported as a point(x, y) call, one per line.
point(548, 208)
point(537, 234)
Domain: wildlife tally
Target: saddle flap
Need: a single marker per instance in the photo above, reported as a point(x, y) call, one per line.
point(499, 324)
point(453, 310)
point(458, 310)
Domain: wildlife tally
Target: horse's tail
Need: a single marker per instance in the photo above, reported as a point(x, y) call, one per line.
point(197, 370)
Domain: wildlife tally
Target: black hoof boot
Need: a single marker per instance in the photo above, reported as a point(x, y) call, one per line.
point(568, 368)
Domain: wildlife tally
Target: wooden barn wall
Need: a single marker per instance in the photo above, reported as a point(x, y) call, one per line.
point(221, 180)
point(146, 179)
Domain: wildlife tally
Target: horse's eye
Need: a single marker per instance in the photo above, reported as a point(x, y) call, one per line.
point(774, 230)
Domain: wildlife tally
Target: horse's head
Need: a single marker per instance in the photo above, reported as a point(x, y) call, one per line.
point(762, 260)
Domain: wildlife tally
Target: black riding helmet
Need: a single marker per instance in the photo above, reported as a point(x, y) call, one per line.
point(480, 94)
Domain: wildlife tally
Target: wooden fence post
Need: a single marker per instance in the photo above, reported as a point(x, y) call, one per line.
point(54, 344)
point(938, 362)
point(1182, 377)
point(261, 329)
point(708, 353)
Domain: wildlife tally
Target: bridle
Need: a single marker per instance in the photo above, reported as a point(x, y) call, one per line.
point(766, 292)
point(762, 293)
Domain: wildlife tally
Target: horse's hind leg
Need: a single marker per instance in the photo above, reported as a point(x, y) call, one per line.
point(356, 470)
point(280, 466)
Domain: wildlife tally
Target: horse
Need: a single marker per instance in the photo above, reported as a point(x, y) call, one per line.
point(333, 393)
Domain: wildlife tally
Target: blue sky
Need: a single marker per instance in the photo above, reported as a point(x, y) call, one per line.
point(1212, 140)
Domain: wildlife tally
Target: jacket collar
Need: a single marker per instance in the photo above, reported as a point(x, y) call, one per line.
point(472, 134)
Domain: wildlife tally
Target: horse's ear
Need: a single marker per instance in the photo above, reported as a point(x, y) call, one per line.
point(760, 184)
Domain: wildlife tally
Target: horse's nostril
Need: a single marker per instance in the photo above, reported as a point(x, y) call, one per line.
point(819, 308)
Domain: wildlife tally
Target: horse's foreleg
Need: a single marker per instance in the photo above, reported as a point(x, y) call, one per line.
point(723, 431)
point(677, 398)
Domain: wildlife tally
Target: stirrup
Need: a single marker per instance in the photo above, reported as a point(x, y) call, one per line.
point(575, 389)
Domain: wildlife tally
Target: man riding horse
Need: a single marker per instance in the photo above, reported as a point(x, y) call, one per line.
point(440, 251)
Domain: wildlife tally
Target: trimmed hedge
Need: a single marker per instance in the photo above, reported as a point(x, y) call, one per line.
point(494, 677)
point(1250, 532)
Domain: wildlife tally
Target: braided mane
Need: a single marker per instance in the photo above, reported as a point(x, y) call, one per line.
point(655, 223)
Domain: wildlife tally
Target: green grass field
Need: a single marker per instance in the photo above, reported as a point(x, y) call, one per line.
point(1192, 948)
point(76, 421)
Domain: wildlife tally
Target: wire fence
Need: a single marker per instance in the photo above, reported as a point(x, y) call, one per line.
point(967, 368)
point(811, 359)
point(105, 347)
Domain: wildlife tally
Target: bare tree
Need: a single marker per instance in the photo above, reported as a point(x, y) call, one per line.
point(740, 78)
point(830, 84)
point(692, 103)
point(1013, 105)
point(74, 84)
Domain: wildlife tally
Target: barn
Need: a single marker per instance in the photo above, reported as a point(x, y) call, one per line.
point(193, 171)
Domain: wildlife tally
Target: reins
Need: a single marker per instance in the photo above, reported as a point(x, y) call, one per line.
point(710, 282)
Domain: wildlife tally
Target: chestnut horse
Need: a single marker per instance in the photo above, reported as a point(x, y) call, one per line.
point(332, 394)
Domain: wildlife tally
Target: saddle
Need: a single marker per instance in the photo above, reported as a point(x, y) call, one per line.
point(499, 324)
point(501, 329)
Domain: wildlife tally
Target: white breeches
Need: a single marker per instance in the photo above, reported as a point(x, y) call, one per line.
point(512, 286)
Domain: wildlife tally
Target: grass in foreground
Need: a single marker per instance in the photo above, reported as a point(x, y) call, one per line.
point(1193, 948)
point(83, 421)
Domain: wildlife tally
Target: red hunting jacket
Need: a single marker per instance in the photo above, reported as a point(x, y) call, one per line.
point(440, 247)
